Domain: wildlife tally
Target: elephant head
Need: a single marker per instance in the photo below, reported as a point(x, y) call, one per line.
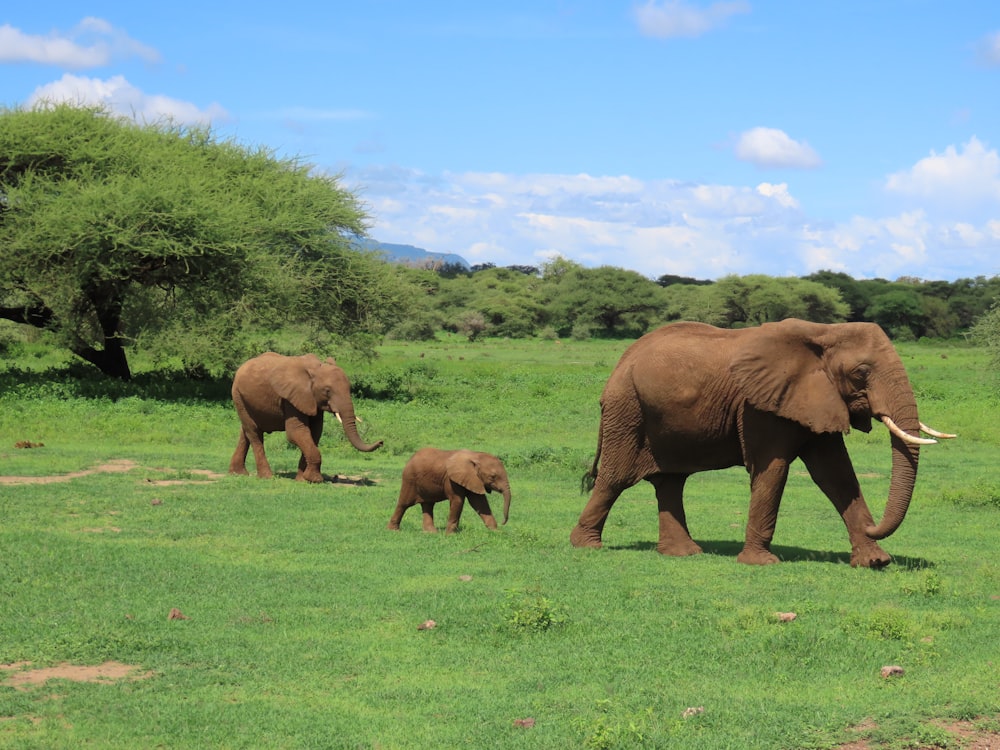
point(317, 385)
point(830, 378)
point(480, 473)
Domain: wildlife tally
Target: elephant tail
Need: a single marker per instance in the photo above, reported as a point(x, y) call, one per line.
point(588, 479)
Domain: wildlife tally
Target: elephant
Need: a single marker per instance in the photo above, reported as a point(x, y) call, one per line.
point(272, 392)
point(432, 475)
point(690, 397)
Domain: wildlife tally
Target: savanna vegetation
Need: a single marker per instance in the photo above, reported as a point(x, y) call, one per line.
point(308, 624)
point(563, 299)
point(277, 614)
point(118, 237)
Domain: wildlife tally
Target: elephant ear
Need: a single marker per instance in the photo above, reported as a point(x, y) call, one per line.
point(781, 370)
point(292, 381)
point(463, 469)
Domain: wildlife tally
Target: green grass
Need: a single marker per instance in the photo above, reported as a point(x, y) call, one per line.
point(304, 611)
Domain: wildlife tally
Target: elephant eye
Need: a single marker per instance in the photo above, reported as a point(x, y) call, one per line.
point(859, 375)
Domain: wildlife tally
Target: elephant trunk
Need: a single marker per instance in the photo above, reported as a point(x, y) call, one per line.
point(905, 455)
point(506, 503)
point(345, 414)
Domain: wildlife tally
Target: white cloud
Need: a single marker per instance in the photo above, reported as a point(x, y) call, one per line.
point(92, 43)
point(779, 193)
point(675, 18)
point(654, 227)
point(770, 147)
point(663, 226)
point(122, 97)
point(954, 178)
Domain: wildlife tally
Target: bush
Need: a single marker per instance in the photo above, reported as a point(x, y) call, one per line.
point(414, 329)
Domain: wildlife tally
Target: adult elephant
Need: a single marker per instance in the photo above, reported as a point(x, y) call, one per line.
point(273, 392)
point(690, 397)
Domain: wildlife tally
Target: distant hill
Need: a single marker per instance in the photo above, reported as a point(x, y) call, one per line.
point(411, 255)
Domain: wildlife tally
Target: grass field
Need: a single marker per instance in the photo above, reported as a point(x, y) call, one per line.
point(298, 619)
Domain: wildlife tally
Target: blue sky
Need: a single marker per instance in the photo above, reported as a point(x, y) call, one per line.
point(664, 136)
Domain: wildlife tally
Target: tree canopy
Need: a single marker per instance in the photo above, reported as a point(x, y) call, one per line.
point(164, 237)
point(564, 298)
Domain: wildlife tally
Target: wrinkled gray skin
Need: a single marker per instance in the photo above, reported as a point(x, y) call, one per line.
point(275, 393)
point(689, 397)
point(432, 475)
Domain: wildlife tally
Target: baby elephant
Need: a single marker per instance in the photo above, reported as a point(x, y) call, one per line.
point(432, 475)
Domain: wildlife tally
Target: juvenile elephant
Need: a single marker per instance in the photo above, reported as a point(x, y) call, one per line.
point(432, 475)
point(689, 397)
point(272, 393)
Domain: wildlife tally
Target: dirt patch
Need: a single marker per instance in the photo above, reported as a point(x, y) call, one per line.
point(22, 677)
point(124, 465)
point(964, 735)
point(210, 478)
point(117, 466)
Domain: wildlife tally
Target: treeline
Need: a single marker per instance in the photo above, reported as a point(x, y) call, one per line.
point(119, 238)
point(564, 299)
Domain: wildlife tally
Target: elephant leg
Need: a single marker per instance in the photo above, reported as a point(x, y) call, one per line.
point(315, 433)
point(301, 435)
point(404, 503)
point(256, 440)
point(766, 487)
point(831, 469)
point(455, 505)
point(590, 525)
point(428, 513)
point(674, 536)
point(238, 463)
point(481, 505)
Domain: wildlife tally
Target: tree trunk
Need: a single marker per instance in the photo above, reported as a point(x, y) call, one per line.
point(108, 303)
point(111, 360)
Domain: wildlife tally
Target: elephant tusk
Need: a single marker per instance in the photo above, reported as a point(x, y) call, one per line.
point(339, 419)
point(905, 437)
point(934, 433)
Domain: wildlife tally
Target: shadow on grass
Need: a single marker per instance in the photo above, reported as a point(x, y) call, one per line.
point(785, 553)
point(354, 481)
point(79, 380)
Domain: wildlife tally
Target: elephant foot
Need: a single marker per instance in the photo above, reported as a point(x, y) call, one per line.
point(869, 555)
point(757, 557)
point(392, 526)
point(681, 548)
point(581, 537)
point(309, 476)
point(239, 470)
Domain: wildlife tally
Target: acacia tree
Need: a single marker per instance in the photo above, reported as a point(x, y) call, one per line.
point(610, 299)
point(166, 237)
point(986, 332)
point(756, 299)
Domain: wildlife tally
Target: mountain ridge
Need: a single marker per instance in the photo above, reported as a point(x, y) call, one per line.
point(410, 255)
